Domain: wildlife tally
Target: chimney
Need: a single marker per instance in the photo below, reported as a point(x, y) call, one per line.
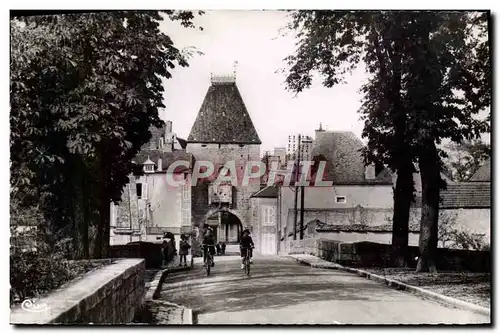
point(370, 172)
point(168, 127)
point(169, 143)
point(160, 167)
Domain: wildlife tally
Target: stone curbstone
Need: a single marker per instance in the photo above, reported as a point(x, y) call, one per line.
point(155, 288)
point(187, 316)
point(403, 287)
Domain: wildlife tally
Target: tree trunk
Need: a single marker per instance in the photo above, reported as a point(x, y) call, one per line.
point(105, 217)
point(431, 180)
point(102, 238)
point(403, 191)
point(87, 205)
point(403, 196)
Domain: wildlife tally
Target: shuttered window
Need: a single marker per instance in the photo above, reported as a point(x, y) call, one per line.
point(268, 216)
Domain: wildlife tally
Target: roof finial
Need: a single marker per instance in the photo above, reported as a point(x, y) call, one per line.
point(235, 65)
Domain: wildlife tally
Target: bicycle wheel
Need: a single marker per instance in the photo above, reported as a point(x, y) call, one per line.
point(247, 266)
point(209, 265)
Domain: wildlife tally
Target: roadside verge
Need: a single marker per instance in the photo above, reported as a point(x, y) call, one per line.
point(316, 262)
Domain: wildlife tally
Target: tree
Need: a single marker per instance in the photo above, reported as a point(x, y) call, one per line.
point(333, 44)
point(464, 159)
point(85, 88)
point(446, 90)
point(429, 75)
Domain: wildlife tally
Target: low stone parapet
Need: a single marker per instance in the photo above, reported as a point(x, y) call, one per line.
point(371, 254)
point(110, 295)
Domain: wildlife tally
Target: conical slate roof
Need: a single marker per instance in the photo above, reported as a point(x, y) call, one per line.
point(223, 118)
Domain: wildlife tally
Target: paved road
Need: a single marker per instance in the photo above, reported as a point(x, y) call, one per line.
point(281, 291)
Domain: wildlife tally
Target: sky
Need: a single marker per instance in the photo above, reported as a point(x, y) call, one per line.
point(253, 39)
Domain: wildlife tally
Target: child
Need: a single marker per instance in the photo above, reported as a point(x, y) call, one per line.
point(184, 247)
point(246, 245)
point(164, 254)
point(208, 245)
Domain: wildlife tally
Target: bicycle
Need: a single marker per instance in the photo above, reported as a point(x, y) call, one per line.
point(246, 261)
point(209, 260)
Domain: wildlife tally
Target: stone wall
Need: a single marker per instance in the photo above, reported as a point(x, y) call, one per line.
point(365, 204)
point(371, 254)
point(109, 295)
point(164, 207)
point(149, 251)
point(219, 154)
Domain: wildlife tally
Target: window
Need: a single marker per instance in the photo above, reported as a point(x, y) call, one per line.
point(149, 168)
point(138, 188)
point(185, 192)
point(186, 216)
point(203, 145)
point(267, 216)
point(340, 199)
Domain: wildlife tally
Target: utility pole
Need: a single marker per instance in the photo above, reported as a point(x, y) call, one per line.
point(302, 212)
point(302, 195)
point(296, 191)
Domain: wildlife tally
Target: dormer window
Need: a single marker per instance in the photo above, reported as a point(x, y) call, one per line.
point(149, 166)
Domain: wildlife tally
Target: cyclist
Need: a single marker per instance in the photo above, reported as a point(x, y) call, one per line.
point(208, 245)
point(246, 245)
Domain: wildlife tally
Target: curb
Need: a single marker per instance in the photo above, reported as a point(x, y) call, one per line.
point(404, 287)
point(187, 316)
point(162, 276)
point(153, 286)
point(155, 291)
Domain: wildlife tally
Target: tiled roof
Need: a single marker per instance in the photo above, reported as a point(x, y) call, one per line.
point(483, 174)
point(182, 142)
point(463, 195)
point(345, 163)
point(267, 192)
point(223, 118)
point(167, 157)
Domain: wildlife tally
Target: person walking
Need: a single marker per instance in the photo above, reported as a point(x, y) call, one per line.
point(164, 253)
point(223, 248)
point(184, 247)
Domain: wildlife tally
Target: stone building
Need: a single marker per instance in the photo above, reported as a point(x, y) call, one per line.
point(149, 205)
point(223, 132)
point(358, 206)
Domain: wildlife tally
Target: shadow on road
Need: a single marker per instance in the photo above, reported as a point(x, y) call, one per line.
point(269, 287)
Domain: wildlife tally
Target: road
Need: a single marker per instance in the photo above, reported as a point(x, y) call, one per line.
point(282, 291)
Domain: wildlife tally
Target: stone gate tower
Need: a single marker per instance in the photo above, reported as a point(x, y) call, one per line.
point(223, 131)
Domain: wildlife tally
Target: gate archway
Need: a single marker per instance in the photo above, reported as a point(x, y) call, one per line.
point(227, 226)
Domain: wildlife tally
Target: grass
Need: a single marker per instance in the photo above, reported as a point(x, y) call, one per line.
point(470, 287)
